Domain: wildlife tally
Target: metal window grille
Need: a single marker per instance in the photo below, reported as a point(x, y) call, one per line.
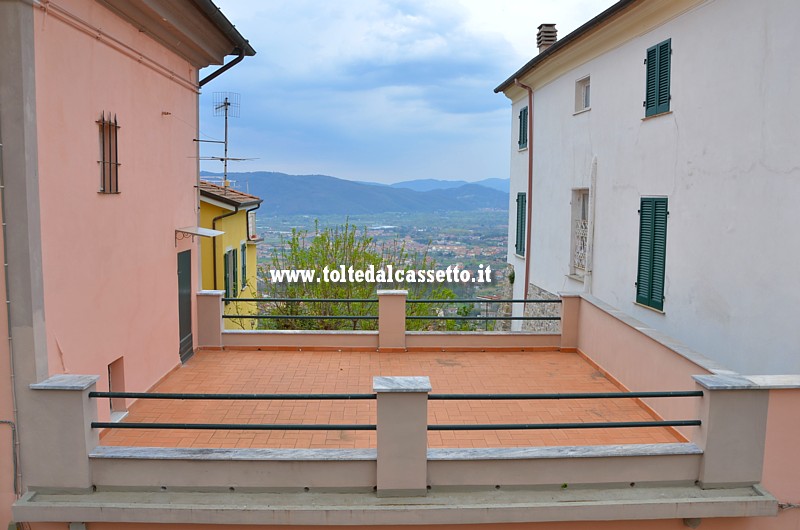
point(109, 154)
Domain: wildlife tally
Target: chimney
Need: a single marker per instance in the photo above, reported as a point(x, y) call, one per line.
point(546, 36)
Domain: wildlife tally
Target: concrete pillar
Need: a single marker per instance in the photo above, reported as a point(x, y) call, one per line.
point(209, 319)
point(570, 310)
point(733, 413)
point(392, 319)
point(59, 454)
point(402, 435)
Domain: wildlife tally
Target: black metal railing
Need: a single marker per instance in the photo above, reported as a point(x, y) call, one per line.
point(372, 427)
point(233, 426)
point(374, 317)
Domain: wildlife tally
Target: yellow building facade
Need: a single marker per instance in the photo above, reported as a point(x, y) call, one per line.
point(229, 260)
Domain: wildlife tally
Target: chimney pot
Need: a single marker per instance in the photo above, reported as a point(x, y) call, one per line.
point(546, 36)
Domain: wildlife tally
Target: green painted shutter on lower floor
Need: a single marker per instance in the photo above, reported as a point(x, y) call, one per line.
point(652, 252)
point(244, 266)
point(226, 274)
point(522, 212)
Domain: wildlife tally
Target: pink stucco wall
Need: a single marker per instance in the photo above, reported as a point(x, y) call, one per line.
point(110, 261)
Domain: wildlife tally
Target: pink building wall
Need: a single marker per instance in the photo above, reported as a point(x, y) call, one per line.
point(110, 261)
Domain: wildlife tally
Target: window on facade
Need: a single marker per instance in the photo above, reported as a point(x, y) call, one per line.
point(252, 233)
point(652, 252)
point(230, 273)
point(522, 212)
point(522, 142)
point(244, 265)
point(109, 160)
point(658, 73)
point(580, 231)
point(582, 94)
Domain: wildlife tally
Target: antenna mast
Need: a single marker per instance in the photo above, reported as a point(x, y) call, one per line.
point(226, 104)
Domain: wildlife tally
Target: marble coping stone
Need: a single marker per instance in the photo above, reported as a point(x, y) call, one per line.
point(725, 382)
point(499, 453)
point(392, 292)
point(196, 453)
point(776, 382)
point(66, 382)
point(401, 384)
point(593, 451)
point(277, 332)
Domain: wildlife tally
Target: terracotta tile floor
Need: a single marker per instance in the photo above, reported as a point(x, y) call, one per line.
point(352, 372)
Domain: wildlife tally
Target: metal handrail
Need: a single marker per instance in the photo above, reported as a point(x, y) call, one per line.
point(263, 397)
point(578, 395)
point(559, 426)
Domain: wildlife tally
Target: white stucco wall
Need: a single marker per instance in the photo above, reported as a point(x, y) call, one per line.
point(727, 156)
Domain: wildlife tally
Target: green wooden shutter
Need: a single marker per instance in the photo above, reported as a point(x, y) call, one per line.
point(244, 265)
point(658, 78)
point(521, 218)
point(226, 274)
point(523, 128)
point(652, 252)
point(235, 273)
point(662, 99)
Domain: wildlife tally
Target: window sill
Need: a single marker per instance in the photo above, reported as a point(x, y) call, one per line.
point(108, 192)
point(576, 277)
point(520, 256)
point(587, 109)
point(646, 118)
point(653, 309)
point(521, 149)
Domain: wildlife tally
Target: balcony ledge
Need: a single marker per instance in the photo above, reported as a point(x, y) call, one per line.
point(439, 507)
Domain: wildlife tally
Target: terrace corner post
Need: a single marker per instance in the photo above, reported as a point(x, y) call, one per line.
point(209, 319)
point(570, 310)
point(402, 435)
point(392, 319)
point(65, 437)
point(733, 413)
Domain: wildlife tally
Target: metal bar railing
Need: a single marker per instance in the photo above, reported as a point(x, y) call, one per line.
point(580, 395)
point(434, 317)
point(305, 317)
point(480, 301)
point(236, 426)
point(560, 426)
point(264, 397)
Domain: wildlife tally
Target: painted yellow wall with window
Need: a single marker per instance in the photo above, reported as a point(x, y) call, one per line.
point(213, 261)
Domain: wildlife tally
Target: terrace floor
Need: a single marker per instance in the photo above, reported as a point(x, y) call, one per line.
point(352, 372)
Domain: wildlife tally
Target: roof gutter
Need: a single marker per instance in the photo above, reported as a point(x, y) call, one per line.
point(529, 202)
point(224, 68)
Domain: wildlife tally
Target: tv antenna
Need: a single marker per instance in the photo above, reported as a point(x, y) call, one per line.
point(225, 104)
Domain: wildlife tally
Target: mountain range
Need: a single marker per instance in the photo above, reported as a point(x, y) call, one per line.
point(322, 194)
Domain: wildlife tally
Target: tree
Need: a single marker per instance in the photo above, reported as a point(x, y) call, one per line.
point(335, 252)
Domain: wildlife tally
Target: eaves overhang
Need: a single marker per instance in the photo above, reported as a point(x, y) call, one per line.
point(227, 202)
point(194, 29)
point(566, 42)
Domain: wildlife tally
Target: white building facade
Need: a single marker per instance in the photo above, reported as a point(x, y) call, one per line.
point(663, 139)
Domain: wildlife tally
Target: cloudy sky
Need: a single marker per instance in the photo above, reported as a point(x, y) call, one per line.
point(379, 90)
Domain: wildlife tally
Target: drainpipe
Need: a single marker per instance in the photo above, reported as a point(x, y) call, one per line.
point(587, 278)
point(224, 68)
point(530, 185)
point(17, 470)
point(214, 240)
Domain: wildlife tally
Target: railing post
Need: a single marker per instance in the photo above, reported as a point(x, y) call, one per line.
point(392, 319)
point(570, 309)
point(209, 319)
point(402, 435)
point(733, 413)
point(64, 436)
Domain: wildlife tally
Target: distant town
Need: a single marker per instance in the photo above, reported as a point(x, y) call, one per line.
point(468, 239)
